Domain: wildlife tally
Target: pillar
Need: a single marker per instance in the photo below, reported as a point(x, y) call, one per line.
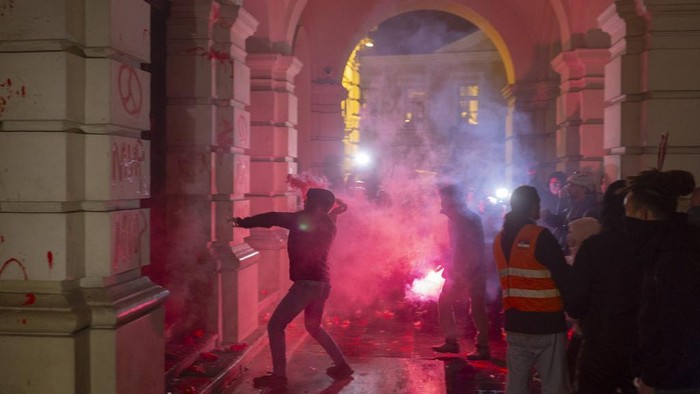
point(327, 132)
point(651, 85)
point(273, 154)
point(530, 127)
point(580, 110)
point(208, 169)
point(76, 313)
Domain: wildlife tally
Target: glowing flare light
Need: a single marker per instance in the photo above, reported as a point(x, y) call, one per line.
point(427, 288)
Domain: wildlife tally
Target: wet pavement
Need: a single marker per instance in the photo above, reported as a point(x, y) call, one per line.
point(390, 353)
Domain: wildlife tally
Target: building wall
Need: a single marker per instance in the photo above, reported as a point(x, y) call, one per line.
point(588, 85)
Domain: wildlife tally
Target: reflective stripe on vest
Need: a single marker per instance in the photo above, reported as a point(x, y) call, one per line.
point(527, 284)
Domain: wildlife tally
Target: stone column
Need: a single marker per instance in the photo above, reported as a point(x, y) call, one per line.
point(273, 154)
point(530, 127)
point(579, 115)
point(651, 85)
point(76, 314)
point(208, 168)
point(327, 133)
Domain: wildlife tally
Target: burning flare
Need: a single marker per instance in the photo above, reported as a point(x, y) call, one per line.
point(426, 288)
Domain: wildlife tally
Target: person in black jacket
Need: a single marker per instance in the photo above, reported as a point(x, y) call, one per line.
point(668, 248)
point(311, 233)
point(464, 273)
point(605, 299)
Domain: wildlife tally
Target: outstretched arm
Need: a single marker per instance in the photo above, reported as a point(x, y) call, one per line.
point(269, 219)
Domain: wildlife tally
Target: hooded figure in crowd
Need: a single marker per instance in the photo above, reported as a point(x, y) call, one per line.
point(668, 249)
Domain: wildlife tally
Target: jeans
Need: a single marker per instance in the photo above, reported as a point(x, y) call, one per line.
point(310, 297)
point(453, 292)
point(547, 353)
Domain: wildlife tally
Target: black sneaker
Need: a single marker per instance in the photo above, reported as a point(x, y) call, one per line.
point(339, 372)
point(270, 380)
point(479, 355)
point(447, 347)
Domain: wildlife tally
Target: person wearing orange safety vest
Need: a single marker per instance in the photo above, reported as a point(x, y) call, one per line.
point(534, 277)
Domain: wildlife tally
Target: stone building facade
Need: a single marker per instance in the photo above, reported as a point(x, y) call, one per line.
point(130, 130)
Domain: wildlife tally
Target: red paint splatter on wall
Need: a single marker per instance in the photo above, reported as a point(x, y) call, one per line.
point(23, 321)
point(19, 264)
point(7, 93)
point(214, 13)
point(212, 54)
point(49, 257)
point(2, 238)
point(31, 299)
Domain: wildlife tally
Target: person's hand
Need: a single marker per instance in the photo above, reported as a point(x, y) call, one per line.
point(342, 207)
point(233, 221)
point(642, 388)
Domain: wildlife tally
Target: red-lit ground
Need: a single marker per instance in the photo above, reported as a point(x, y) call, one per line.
point(390, 353)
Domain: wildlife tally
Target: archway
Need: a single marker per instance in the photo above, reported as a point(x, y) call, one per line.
point(424, 95)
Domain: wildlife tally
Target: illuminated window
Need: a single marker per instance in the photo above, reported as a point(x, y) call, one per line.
point(469, 104)
point(414, 106)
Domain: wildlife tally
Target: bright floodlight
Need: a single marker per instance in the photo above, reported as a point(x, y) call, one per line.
point(369, 44)
point(502, 193)
point(362, 159)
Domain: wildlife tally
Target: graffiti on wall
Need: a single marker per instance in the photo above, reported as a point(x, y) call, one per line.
point(128, 164)
point(128, 231)
point(14, 262)
point(130, 90)
point(10, 91)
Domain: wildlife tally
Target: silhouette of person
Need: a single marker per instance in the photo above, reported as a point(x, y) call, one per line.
point(311, 233)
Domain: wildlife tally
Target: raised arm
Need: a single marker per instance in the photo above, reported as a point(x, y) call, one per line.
point(269, 219)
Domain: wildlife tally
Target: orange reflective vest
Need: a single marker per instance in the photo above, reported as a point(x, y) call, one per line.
point(527, 284)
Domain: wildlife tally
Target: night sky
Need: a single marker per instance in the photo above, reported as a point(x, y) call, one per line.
point(418, 32)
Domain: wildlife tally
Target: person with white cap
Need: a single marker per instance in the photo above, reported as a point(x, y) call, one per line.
point(583, 202)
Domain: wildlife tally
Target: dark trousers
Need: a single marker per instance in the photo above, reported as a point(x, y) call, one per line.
point(602, 369)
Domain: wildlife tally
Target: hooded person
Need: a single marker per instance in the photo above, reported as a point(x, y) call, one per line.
point(604, 300)
point(311, 233)
point(668, 249)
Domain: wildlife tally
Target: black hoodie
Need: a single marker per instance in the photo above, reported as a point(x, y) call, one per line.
point(669, 316)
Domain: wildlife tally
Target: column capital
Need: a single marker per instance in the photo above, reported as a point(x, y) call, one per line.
point(627, 24)
point(582, 62)
point(273, 65)
point(231, 23)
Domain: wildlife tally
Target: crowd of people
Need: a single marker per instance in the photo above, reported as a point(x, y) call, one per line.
point(619, 274)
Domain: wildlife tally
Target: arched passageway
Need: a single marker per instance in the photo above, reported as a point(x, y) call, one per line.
point(244, 94)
